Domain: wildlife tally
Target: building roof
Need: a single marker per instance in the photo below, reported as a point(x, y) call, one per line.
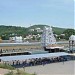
point(24, 57)
point(72, 38)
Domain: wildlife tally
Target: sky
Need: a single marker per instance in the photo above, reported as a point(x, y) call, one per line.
point(57, 13)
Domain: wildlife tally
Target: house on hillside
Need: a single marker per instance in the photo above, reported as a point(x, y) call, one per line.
point(38, 29)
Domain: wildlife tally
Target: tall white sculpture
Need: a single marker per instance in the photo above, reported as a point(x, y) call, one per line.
point(47, 37)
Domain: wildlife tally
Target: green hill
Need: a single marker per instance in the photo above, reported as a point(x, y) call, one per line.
point(36, 26)
point(11, 29)
point(55, 29)
point(58, 30)
point(15, 30)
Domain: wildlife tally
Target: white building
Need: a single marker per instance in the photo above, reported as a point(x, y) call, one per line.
point(31, 30)
point(38, 29)
point(71, 42)
point(17, 39)
point(72, 38)
point(48, 37)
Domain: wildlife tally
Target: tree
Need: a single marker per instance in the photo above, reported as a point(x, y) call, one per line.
point(33, 38)
point(68, 33)
point(38, 38)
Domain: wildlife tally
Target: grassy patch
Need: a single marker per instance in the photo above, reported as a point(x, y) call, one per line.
point(18, 73)
point(5, 66)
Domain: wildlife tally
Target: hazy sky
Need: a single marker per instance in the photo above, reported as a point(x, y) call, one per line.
point(59, 13)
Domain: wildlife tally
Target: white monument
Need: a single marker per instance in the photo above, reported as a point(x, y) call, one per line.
point(48, 37)
point(49, 42)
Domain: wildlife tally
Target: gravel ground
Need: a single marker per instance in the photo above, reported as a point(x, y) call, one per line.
point(3, 71)
point(66, 68)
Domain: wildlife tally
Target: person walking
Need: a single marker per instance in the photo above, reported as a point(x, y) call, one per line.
point(24, 68)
